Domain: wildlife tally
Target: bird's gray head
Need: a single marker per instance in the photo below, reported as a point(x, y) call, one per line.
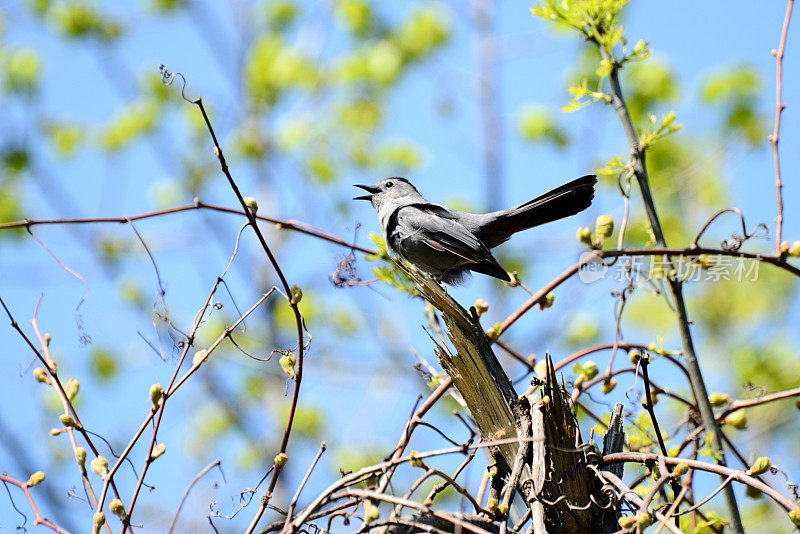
point(390, 193)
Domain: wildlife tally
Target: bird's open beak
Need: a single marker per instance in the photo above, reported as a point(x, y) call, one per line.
point(368, 188)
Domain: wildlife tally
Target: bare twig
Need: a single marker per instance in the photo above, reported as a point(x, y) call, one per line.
point(749, 403)
point(631, 495)
point(201, 474)
point(280, 224)
point(675, 286)
point(296, 497)
point(38, 518)
point(723, 471)
point(779, 107)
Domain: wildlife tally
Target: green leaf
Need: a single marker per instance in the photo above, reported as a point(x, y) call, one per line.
point(355, 15)
point(79, 19)
point(536, 124)
point(271, 67)
point(103, 364)
point(281, 14)
point(135, 120)
point(22, 71)
point(425, 29)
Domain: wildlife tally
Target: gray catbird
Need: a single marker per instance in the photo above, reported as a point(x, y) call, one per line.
point(447, 243)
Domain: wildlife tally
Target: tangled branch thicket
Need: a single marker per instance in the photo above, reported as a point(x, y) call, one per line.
point(531, 479)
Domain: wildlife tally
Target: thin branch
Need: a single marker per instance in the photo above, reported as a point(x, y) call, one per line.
point(384, 467)
point(167, 78)
point(38, 518)
point(201, 474)
point(280, 224)
point(675, 286)
point(660, 251)
point(779, 107)
point(465, 525)
point(296, 497)
point(749, 403)
point(626, 492)
point(723, 471)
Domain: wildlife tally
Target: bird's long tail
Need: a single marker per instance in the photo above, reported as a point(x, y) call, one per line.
point(569, 199)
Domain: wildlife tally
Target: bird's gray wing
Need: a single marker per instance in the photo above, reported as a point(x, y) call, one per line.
point(437, 228)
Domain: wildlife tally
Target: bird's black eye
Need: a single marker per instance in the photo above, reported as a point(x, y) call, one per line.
point(389, 184)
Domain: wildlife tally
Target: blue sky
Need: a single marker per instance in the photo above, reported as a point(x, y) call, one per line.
point(348, 378)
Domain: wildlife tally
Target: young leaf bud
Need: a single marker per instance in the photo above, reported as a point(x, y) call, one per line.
point(718, 400)
point(156, 392)
point(603, 227)
point(67, 420)
point(117, 508)
point(281, 459)
point(251, 204)
point(99, 520)
point(794, 250)
point(159, 450)
point(590, 370)
point(547, 301)
point(72, 388)
point(35, 479)
point(494, 331)
point(80, 457)
point(608, 385)
point(626, 522)
point(297, 294)
point(680, 470)
point(584, 235)
point(481, 307)
point(100, 466)
point(57, 431)
point(41, 375)
point(785, 248)
point(794, 517)
point(514, 280)
point(502, 508)
point(761, 465)
point(653, 398)
point(491, 505)
point(371, 512)
point(287, 362)
point(644, 520)
point(639, 47)
point(634, 355)
point(737, 419)
point(199, 357)
point(415, 462)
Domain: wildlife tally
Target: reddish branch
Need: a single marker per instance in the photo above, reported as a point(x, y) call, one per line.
point(735, 474)
point(749, 403)
point(298, 318)
point(280, 224)
point(52, 372)
point(661, 251)
point(38, 519)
